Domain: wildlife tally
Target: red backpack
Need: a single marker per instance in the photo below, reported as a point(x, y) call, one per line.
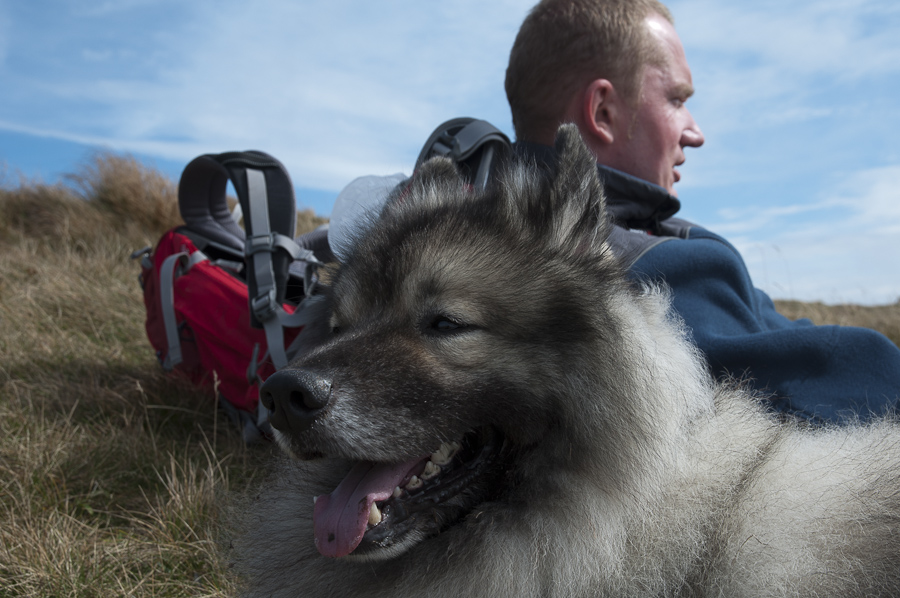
point(224, 307)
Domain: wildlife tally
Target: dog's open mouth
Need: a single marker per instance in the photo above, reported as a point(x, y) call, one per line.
point(378, 506)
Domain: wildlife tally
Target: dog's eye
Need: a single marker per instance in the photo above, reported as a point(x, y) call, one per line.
point(445, 324)
point(334, 325)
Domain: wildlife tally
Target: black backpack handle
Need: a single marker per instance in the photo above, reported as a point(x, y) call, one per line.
point(476, 146)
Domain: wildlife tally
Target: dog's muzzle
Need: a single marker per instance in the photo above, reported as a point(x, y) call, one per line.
point(295, 398)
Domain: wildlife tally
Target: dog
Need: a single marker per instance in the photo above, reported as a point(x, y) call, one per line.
point(498, 411)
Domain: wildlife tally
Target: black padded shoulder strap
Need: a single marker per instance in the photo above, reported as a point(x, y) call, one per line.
point(203, 203)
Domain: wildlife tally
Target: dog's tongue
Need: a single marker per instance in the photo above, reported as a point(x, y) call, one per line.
point(340, 518)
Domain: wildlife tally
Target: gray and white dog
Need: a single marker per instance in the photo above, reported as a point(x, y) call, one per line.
point(500, 412)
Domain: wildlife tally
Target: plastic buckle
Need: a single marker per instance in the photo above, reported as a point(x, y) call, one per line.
point(140, 253)
point(258, 243)
point(264, 306)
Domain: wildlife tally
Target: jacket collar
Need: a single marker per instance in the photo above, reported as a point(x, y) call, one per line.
point(630, 201)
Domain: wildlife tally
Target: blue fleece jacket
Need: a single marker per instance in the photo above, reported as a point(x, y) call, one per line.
point(826, 373)
point(822, 373)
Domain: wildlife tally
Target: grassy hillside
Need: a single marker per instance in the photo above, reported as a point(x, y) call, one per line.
point(112, 475)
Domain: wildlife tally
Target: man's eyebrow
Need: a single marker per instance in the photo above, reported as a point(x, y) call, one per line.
point(684, 90)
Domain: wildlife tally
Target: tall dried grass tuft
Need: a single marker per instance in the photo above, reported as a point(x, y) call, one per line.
point(129, 193)
point(40, 211)
point(110, 194)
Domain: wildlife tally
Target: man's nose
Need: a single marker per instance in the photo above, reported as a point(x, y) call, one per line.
point(692, 136)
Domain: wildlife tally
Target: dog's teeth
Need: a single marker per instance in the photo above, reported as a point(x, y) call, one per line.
point(440, 456)
point(414, 483)
point(445, 453)
point(397, 492)
point(431, 471)
point(315, 498)
point(374, 515)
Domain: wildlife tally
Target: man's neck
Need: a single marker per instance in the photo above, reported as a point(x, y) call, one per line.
point(631, 202)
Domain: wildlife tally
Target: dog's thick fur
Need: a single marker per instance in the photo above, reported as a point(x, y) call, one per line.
point(620, 468)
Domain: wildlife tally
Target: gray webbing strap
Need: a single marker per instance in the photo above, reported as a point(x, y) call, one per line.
point(275, 340)
point(260, 245)
point(304, 314)
point(272, 241)
point(167, 277)
point(309, 311)
point(313, 310)
point(196, 257)
point(167, 300)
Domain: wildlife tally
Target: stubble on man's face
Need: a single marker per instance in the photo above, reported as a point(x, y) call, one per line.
point(652, 136)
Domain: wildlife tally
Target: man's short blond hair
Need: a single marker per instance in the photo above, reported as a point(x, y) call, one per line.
point(565, 44)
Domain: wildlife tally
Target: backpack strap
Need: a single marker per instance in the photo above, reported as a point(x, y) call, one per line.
point(267, 200)
point(317, 242)
point(172, 267)
point(203, 203)
point(476, 146)
point(266, 197)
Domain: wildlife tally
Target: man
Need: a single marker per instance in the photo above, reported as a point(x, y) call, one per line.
point(617, 69)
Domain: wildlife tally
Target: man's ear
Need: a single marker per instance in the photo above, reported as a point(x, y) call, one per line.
point(601, 110)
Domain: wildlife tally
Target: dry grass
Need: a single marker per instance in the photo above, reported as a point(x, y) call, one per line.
point(884, 318)
point(113, 476)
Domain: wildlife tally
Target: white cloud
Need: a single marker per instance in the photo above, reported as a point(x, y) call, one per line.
point(111, 7)
point(742, 220)
point(334, 89)
point(851, 38)
point(767, 64)
point(851, 256)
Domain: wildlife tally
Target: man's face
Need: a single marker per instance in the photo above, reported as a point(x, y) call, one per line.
point(651, 137)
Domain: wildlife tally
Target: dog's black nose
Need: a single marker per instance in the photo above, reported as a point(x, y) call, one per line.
point(294, 398)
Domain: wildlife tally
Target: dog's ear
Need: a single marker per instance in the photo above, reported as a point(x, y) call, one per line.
point(577, 206)
point(434, 183)
point(437, 172)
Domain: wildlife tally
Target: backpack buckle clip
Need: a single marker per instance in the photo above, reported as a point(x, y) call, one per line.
point(264, 306)
point(257, 243)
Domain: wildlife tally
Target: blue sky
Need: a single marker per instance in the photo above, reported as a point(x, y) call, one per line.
point(798, 102)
